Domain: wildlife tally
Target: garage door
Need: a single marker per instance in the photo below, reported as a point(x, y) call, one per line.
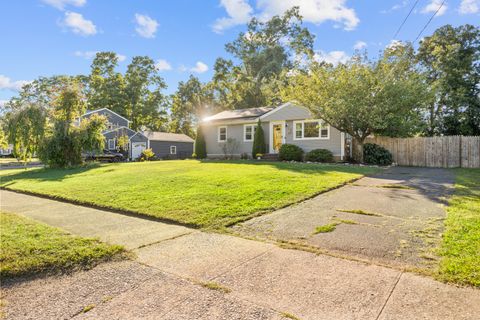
point(137, 148)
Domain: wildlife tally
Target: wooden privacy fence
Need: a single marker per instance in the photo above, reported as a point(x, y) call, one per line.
point(444, 152)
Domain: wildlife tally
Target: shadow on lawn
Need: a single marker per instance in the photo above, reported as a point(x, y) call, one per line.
point(46, 174)
point(300, 167)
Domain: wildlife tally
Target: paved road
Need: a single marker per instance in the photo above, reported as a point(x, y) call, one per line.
point(164, 282)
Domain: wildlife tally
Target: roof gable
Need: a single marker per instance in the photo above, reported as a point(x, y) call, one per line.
point(105, 110)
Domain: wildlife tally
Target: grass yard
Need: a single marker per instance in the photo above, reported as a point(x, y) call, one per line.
point(208, 194)
point(461, 241)
point(28, 247)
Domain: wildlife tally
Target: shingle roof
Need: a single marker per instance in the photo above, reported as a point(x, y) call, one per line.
point(166, 136)
point(239, 114)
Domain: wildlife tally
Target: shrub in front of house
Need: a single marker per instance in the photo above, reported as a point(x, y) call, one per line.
point(200, 145)
point(147, 155)
point(375, 154)
point(319, 155)
point(290, 152)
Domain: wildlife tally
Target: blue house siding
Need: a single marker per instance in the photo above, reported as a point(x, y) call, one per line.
point(162, 149)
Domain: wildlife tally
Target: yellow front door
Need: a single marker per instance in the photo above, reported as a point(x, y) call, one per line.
point(277, 136)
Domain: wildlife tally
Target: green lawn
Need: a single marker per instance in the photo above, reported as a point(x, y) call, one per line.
point(461, 241)
point(28, 247)
point(209, 194)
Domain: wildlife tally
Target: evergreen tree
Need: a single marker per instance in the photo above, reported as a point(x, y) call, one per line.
point(258, 141)
point(200, 146)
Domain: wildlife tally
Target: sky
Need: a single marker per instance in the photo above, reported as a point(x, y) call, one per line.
point(53, 37)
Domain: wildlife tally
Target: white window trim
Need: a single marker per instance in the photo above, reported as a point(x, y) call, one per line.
point(303, 130)
point(111, 141)
point(218, 134)
point(174, 148)
point(254, 126)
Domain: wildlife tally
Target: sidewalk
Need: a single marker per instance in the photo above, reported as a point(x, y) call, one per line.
point(264, 280)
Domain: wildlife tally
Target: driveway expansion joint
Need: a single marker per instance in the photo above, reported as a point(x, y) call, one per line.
point(389, 295)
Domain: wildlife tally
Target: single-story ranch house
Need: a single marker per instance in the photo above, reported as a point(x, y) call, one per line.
point(164, 145)
point(287, 123)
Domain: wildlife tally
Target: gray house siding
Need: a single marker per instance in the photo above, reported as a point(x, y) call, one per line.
point(290, 112)
point(333, 143)
point(162, 149)
point(235, 131)
point(114, 120)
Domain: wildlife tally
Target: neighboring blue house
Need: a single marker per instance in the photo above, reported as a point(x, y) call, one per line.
point(164, 145)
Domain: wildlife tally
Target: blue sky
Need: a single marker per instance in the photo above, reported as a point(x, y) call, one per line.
point(49, 37)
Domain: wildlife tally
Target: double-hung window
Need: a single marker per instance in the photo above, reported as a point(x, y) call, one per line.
point(222, 134)
point(173, 149)
point(311, 129)
point(249, 132)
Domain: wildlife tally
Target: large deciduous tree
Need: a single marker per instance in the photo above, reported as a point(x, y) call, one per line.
point(192, 101)
point(363, 97)
point(26, 128)
point(146, 104)
point(267, 51)
point(106, 86)
point(451, 59)
point(65, 141)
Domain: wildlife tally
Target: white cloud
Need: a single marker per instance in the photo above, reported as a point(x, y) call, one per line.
point(79, 24)
point(239, 12)
point(396, 7)
point(200, 67)
point(433, 7)
point(314, 11)
point(91, 54)
point(121, 57)
point(359, 45)
point(146, 26)
point(333, 57)
point(163, 65)
point(394, 43)
point(60, 4)
point(7, 84)
point(3, 103)
point(469, 6)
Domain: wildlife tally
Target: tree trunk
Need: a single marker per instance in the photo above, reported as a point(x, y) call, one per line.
point(358, 149)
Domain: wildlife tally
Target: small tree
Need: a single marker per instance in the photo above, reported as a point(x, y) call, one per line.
point(258, 141)
point(122, 143)
point(229, 147)
point(91, 133)
point(200, 146)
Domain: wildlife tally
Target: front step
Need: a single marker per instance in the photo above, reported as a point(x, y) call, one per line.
point(270, 156)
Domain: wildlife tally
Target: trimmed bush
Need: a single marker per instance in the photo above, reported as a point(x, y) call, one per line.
point(147, 155)
point(200, 146)
point(290, 152)
point(319, 155)
point(375, 154)
point(258, 140)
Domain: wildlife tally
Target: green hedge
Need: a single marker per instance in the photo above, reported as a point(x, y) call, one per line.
point(289, 152)
point(319, 155)
point(375, 154)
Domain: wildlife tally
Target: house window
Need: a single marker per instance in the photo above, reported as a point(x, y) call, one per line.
point(311, 129)
point(222, 134)
point(111, 144)
point(249, 132)
point(173, 149)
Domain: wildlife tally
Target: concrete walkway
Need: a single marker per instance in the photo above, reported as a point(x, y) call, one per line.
point(263, 281)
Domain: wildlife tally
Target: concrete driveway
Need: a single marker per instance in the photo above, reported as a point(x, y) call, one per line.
point(393, 218)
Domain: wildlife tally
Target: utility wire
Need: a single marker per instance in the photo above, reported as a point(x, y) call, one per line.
point(428, 22)
point(405, 20)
